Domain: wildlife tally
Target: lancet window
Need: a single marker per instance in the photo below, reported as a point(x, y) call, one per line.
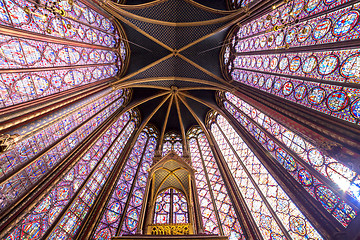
point(123, 208)
point(171, 207)
point(275, 214)
point(322, 80)
point(52, 46)
point(39, 151)
point(303, 161)
point(76, 192)
point(218, 214)
point(172, 141)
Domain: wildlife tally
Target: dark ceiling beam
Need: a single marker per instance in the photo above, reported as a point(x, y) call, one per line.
point(165, 123)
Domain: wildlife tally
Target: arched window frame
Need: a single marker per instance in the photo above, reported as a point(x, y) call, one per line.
point(232, 158)
point(118, 214)
point(171, 215)
point(334, 93)
point(298, 166)
point(44, 149)
point(172, 141)
point(208, 178)
point(45, 79)
point(86, 178)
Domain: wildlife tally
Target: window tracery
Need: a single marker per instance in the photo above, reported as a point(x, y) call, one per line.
point(289, 12)
point(272, 210)
point(83, 181)
point(216, 206)
point(85, 47)
point(129, 189)
point(63, 136)
point(323, 80)
point(60, 66)
point(171, 207)
point(172, 141)
point(266, 130)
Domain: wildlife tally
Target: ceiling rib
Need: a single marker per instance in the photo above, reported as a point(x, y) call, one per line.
point(202, 125)
point(205, 82)
point(209, 9)
point(210, 34)
point(141, 6)
point(181, 122)
point(209, 105)
point(142, 69)
point(165, 122)
point(134, 105)
point(179, 73)
point(148, 86)
point(204, 70)
point(155, 110)
point(116, 14)
point(156, 2)
point(198, 88)
point(246, 14)
point(175, 24)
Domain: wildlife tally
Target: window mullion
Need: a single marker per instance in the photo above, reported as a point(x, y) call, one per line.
point(283, 229)
point(210, 189)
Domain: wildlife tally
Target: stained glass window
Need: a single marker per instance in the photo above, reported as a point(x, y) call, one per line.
point(162, 207)
point(39, 152)
point(71, 220)
point(133, 211)
point(273, 211)
point(83, 181)
point(216, 207)
point(53, 46)
point(180, 208)
point(172, 141)
point(278, 140)
point(171, 207)
point(323, 80)
point(118, 216)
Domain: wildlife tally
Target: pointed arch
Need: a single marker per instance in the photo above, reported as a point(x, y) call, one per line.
point(311, 168)
point(273, 211)
point(217, 210)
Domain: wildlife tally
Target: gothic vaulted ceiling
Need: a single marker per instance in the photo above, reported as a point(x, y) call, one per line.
point(174, 68)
